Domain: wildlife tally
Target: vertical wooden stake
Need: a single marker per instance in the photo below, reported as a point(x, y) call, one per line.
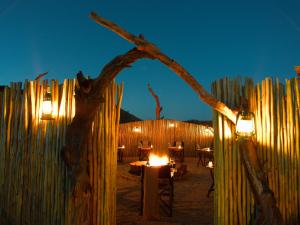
point(151, 204)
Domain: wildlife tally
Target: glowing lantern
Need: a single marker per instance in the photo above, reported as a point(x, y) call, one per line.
point(155, 160)
point(245, 124)
point(47, 106)
point(210, 164)
point(137, 129)
point(172, 125)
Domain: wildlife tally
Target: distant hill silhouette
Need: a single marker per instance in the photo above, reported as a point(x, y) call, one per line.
point(202, 122)
point(126, 117)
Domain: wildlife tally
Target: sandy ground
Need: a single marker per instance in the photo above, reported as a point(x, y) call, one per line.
point(191, 206)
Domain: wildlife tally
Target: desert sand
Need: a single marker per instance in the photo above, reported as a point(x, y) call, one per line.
point(191, 205)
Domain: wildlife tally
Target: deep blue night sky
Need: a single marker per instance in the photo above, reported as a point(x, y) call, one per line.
point(211, 39)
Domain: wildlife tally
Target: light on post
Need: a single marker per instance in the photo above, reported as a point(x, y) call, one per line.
point(245, 124)
point(47, 106)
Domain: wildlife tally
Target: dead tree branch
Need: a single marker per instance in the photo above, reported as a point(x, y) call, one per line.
point(158, 108)
point(88, 96)
point(147, 47)
point(41, 76)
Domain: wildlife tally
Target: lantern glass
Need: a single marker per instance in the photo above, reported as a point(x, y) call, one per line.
point(47, 107)
point(245, 124)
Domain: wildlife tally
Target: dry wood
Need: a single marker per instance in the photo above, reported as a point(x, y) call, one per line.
point(236, 179)
point(151, 198)
point(88, 96)
point(41, 76)
point(153, 52)
point(158, 108)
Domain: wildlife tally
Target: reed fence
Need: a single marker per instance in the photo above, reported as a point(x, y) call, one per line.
point(277, 111)
point(34, 186)
point(162, 133)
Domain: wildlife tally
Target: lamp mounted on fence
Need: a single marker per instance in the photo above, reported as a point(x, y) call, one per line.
point(245, 124)
point(171, 124)
point(137, 129)
point(47, 106)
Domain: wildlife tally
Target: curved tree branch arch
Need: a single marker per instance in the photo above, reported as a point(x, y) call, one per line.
point(88, 96)
point(155, 52)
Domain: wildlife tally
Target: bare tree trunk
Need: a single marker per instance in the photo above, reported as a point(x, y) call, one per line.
point(269, 213)
point(88, 96)
point(158, 108)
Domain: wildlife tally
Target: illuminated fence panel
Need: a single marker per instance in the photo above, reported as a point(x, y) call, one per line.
point(34, 188)
point(276, 108)
point(161, 133)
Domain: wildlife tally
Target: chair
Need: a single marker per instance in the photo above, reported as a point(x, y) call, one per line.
point(204, 155)
point(144, 148)
point(177, 151)
point(120, 153)
point(165, 189)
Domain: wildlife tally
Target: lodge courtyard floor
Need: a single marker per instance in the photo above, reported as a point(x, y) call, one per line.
point(191, 206)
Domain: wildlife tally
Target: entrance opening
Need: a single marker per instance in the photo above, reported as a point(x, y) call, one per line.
point(189, 148)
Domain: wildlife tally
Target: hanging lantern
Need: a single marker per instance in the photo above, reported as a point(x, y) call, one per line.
point(171, 124)
point(47, 106)
point(245, 124)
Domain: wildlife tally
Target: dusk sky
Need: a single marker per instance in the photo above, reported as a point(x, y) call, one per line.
point(211, 39)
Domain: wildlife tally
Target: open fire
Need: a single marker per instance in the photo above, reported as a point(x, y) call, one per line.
point(155, 160)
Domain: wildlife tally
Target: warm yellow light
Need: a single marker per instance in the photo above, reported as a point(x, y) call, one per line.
point(123, 146)
point(171, 125)
point(137, 129)
point(179, 147)
point(155, 160)
point(245, 125)
point(47, 107)
point(210, 164)
point(207, 149)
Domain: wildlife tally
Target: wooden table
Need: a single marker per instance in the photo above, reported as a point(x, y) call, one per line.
point(120, 153)
point(149, 194)
point(177, 153)
point(136, 167)
point(204, 156)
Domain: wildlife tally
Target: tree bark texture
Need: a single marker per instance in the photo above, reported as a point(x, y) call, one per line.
point(269, 213)
point(158, 108)
point(88, 96)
